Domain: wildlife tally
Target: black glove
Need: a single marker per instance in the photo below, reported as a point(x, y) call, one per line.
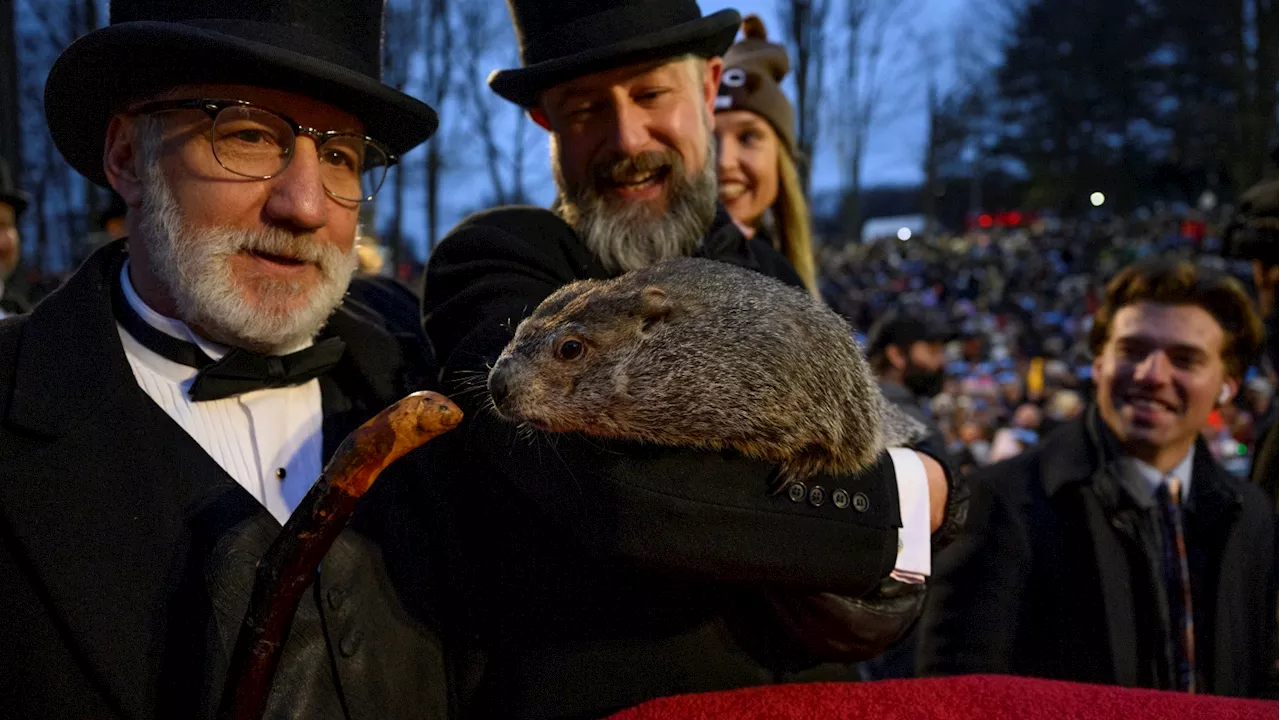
point(837, 628)
point(957, 509)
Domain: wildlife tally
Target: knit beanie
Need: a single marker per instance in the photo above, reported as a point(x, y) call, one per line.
point(753, 69)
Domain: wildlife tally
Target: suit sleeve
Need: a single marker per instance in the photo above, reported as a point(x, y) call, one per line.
point(679, 510)
point(972, 612)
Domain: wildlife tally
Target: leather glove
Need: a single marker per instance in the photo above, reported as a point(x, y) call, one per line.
point(956, 512)
point(837, 628)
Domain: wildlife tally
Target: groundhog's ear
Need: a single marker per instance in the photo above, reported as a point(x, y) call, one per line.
point(656, 307)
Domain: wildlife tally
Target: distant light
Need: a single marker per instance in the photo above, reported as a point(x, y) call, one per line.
point(1013, 219)
point(1208, 200)
point(904, 233)
point(984, 220)
point(1097, 199)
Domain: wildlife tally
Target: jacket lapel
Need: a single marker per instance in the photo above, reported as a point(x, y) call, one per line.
point(1214, 508)
point(105, 496)
point(1079, 459)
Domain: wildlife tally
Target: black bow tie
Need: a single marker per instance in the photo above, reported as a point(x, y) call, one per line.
point(239, 371)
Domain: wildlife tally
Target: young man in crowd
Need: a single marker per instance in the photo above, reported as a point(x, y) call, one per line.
point(164, 412)
point(1119, 551)
point(592, 576)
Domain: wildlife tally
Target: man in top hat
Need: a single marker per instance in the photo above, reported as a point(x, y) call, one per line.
point(590, 576)
point(13, 200)
point(163, 413)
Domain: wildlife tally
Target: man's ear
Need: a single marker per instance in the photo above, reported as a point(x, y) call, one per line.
point(540, 117)
point(1230, 387)
point(896, 357)
point(656, 307)
point(120, 161)
point(711, 84)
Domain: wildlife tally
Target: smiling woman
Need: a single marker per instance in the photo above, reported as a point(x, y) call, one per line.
point(755, 140)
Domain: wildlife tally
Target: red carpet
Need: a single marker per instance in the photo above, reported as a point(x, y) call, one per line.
point(976, 697)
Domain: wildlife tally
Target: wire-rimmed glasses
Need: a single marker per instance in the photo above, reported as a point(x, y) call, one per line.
point(254, 142)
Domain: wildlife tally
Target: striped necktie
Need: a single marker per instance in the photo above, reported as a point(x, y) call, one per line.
point(1178, 584)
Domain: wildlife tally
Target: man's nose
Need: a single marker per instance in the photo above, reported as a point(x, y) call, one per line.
point(1154, 368)
point(630, 130)
point(726, 154)
point(298, 199)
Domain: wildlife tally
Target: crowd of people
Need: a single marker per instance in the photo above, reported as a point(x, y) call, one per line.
point(1069, 508)
point(1018, 305)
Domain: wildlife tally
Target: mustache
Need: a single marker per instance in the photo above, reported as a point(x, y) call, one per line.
point(623, 169)
point(277, 241)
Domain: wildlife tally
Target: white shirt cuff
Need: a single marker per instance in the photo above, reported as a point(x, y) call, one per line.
point(914, 549)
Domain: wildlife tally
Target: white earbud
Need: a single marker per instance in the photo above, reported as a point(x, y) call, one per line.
point(1225, 395)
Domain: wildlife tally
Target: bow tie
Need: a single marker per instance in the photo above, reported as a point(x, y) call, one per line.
point(237, 372)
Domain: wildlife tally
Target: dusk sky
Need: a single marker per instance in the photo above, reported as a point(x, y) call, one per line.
point(918, 43)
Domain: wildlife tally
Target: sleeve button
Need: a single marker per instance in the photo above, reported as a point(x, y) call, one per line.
point(797, 491)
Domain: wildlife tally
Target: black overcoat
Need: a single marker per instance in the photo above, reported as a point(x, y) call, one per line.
point(126, 553)
point(1053, 575)
point(591, 576)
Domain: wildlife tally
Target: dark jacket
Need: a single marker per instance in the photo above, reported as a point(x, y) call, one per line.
point(13, 301)
point(1266, 453)
point(126, 553)
point(591, 576)
point(1058, 575)
point(934, 444)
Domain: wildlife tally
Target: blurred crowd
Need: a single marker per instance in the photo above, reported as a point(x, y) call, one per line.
point(1017, 304)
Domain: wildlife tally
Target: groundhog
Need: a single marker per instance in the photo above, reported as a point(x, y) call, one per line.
point(699, 353)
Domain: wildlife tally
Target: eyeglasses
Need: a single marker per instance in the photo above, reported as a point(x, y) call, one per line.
point(257, 143)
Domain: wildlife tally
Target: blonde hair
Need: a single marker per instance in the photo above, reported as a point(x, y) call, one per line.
point(794, 238)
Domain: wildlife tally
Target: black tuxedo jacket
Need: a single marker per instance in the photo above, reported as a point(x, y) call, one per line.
point(126, 553)
point(591, 576)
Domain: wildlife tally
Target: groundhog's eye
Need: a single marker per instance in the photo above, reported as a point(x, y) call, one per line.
point(570, 350)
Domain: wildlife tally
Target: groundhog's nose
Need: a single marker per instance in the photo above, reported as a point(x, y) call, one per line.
point(500, 384)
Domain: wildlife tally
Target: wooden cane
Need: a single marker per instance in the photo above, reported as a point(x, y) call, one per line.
point(289, 565)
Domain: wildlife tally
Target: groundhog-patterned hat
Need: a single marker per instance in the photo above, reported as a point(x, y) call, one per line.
point(753, 69)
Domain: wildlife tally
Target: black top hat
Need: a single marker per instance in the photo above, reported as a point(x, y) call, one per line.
point(565, 39)
point(329, 50)
point(10, 194)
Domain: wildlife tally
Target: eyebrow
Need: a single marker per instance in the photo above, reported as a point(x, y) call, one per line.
point(1156, 342)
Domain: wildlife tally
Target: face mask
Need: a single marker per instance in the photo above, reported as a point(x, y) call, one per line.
point(921, 382)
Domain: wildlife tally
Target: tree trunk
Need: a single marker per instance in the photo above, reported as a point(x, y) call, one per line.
point(397, 223)
point(10, 110)
point(1267, 80)
point(432, 182)
point(930, 199)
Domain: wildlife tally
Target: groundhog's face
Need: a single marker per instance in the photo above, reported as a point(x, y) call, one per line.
point(566, 368)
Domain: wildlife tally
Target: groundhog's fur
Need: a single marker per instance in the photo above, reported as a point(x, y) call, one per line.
point(700, 353)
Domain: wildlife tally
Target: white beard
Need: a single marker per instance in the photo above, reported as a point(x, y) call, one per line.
point(193, 265)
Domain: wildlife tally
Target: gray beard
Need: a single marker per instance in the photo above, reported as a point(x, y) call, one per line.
point(628, 236)
point(193, 266)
